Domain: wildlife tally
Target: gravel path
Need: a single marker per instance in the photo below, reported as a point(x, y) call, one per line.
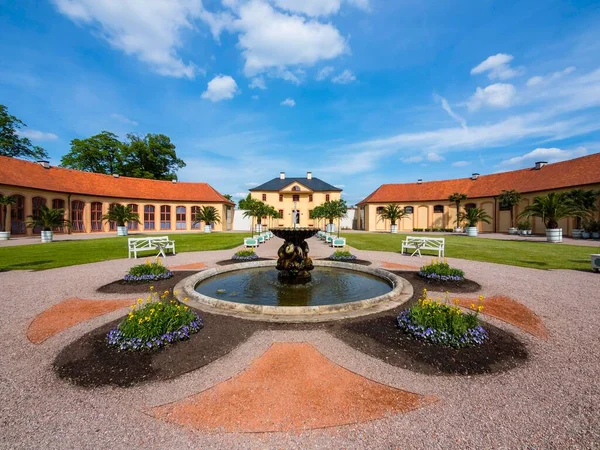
point(550, 402)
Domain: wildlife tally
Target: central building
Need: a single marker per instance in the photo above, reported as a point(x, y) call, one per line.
point(295, 198)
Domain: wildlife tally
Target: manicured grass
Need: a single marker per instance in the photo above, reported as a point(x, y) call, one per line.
point(538, 255)
point(70, 253)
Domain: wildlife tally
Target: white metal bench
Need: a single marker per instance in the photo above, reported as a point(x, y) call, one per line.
point(143, 244)
point(250, 242)
point(338, 242)
point(424, 243)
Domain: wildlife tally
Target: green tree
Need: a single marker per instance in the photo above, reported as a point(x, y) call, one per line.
point(151, 156)
point(509, 199)
point(102, 153)
point(121, 214)
point(13, 145)
point(550, 208)
point(456, 198)
point(335, 209)
point(585, 204)
point(393, 213)
point(5, 202)
point(208, 215)
point(228, 196)
point(473, 216)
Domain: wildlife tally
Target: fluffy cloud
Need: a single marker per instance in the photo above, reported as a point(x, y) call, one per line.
point(499, 95)
point(123, 119)
point(497, 67)
point(258, 83)
point(288, 102)
point(317, 7)
point(460, 163)
point(36, 135)
point(324, 73)
point(221, 87)
point(541, 81)
point(545, 154)
point(149, 30)
point(434, 157)
point(346, 77)
point(271, 40)
point(411, 159)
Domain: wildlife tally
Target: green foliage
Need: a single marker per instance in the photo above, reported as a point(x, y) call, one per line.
point(245, 253)
point(456, 198)
point(208, 215)
point(48, 219)
point(441, 269)
point(551, 208)
point(150, 268)
point(101, 153)
point(5, 202)
point(393, 213)
point(510, 199)
point(444, 317)
point(13, 145)
point(155, 316)
point(473, 216)
point(121, 214)
point(584, 203)
point(524, 225)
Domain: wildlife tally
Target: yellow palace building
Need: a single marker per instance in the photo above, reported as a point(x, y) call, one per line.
point(295, 198)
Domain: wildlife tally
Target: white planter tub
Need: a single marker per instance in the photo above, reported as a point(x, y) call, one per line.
point(394, 229)
point(207, 229)
point(4, 235)
point(596, 262)
point(576, 233)
point(595, 235)
point(513, 230)
point(257, 228)
point(554, 235)
point(121, 231)
point(472, 231)
point(47, 236)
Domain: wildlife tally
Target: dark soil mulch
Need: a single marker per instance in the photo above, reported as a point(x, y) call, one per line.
point(124, 287)
point(361, 262)
point(228, 262)
point(454, 287)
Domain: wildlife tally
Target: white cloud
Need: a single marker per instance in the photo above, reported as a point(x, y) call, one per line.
point(446, 107)
point(271, 40)
point(240, 195)
point(288, 102)
point(258, 83)
point(324, 73)
point(36, 135)
point(123, 119)
point(221, 87)
point(345, 77)
point(251, 183)
point(318, 7)
point(545, 154)
point(434, 157)
point(497, 67)
point(460, 163)
point(412, 159)
point(499, 95)
point(340, 186)
point(150, 30)
point(539, 80)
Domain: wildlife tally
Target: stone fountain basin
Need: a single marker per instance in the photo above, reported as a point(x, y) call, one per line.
point(401, 292)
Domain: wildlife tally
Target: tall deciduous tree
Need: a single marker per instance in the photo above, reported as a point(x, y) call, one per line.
point(151, 156)
point(102, 153)
point(13, 145)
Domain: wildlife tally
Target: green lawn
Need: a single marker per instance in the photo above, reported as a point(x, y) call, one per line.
point(82, 251)
point(539, 255)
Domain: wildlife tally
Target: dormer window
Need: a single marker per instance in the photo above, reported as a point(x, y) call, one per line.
point(295, 188)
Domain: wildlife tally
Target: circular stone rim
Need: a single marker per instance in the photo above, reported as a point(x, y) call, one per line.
point(401, 292)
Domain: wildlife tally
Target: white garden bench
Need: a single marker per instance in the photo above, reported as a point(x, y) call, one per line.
point(143, 244)
point(338, 242)
point(424, 243)
point(250, 242)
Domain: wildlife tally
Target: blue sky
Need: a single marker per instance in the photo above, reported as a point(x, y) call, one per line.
point(360, 92)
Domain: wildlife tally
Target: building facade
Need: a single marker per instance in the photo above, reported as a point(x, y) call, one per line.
point(162, 205)
point(295, 198)
point(428, 205)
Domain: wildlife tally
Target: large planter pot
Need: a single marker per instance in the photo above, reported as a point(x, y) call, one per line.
point(458, 230)
point(576, 233)
point(121, 231)
point(257, 228)
point(331, 227)
point(528, 232)
point(47, 236)
point(554, 235)
point(585, 235)
point(513, 230)
point(596, 262)
point(472, 231)
point(4, 235)
point(394, 229)
point(595, 235)
point(207, 229)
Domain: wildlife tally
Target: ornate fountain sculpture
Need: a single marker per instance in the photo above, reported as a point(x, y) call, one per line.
point(294, 264)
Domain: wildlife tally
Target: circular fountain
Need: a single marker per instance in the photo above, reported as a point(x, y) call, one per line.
point(293, 262)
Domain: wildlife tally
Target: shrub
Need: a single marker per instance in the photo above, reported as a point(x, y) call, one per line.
point(154, 323)
point(441, 271)
point(150, 271)
point(443, 324)
point(342, 255)
point(245, 255)
point(417, 229)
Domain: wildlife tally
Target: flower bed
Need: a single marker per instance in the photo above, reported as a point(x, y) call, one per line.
point(342, 255)
point(150, 271)
point(442, 324)
point(154, 323)
point(441, 271)
point(245, 255)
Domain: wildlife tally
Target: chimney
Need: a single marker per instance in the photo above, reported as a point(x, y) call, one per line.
point(540, 164)
point(173, 181)
point(44, 164)
point(309, 175)
point(115, 175)
point(474, 176)
point(420, 180)
point(282, 175)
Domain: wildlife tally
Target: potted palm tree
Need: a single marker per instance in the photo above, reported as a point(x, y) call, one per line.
point(472, 217)
point(208, 215)
point(585, 204)
point(393, 213)
point(456, 198)
point(335, 209)
point(122, 215)
point(48, 219)
point(509, 199)
point(551, 208)
point(5, 202)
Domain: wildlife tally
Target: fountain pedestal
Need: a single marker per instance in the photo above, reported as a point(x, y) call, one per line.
point(293, 262)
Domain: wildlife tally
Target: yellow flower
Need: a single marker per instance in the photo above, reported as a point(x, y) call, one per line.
point(480, 308)
point(140, 321)
point(185, 299)
point(472, 305)
point(174, 292)
point(132, 306)
point(186, 308)
point(151, 288)
point(147, 319)
point(152, 311)
point(139, 300)
point(166, 292)
point(455, 301)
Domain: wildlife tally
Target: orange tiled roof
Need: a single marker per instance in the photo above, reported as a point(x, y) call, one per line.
point(575, 172)
point(16, 172)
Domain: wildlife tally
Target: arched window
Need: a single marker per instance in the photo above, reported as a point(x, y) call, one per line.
point(36, 203)
point(409, 209)
point(295, 188)
point(470, 206)
point(77, 207)
point(134, 209)
point(58, 203)
point(180, 222)
point(379, 210)
point(17, 215)
point(112, 224)
point(438, 209)
point(195, 211)
point(149, 221)
point(165, 217)
point(96, 216)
